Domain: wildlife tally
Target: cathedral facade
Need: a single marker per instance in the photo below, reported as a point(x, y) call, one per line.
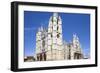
point(50, 44)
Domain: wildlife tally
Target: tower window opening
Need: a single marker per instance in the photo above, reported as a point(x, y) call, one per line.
point(51, 35)
point(57, 35)
point(57, 27)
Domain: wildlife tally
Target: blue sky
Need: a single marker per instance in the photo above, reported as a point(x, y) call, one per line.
point(72, 23)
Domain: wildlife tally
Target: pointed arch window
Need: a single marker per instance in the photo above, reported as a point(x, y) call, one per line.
point(51, 35)
point(57, 27)
point(58, 35)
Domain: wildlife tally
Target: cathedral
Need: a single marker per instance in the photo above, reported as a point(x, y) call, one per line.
point(50, 44)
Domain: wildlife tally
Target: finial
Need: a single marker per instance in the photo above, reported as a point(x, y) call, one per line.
point(55, 14)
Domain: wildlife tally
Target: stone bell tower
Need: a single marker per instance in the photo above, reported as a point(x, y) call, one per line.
point(55, 51)
point(76, 50)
